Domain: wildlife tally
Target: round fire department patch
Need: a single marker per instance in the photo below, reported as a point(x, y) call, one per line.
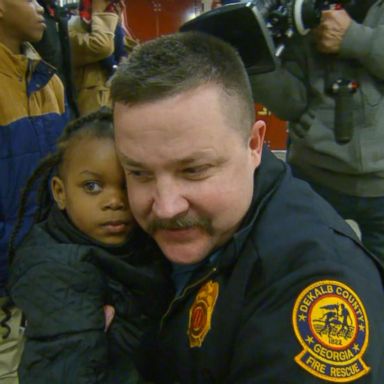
point(200, 313)
point(331, 324)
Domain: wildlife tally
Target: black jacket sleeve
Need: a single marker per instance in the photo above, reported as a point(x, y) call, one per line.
point(63, 304)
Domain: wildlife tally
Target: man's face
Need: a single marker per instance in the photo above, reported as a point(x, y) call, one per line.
point(20, 21)
point(189, 173)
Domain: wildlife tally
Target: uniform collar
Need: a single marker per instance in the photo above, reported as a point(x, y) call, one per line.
point(267, 178)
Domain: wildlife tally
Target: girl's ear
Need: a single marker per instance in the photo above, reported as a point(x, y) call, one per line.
point(58, 191)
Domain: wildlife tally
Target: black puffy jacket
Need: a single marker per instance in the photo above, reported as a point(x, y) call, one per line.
point(61, 280)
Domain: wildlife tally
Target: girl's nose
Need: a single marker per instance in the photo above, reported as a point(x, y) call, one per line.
point(116, 200)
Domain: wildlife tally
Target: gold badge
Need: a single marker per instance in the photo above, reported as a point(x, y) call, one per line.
point(200, 313)
point(331, 324)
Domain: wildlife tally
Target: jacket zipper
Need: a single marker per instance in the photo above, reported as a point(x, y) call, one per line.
point(185, 291)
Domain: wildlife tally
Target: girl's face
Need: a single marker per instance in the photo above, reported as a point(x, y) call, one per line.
point(92, 190)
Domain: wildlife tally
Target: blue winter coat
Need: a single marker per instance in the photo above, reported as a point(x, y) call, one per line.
point(32, 115)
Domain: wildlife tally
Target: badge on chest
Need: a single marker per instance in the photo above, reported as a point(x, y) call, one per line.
point(200, 313)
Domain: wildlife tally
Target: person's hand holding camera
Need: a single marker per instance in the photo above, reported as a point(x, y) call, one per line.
point(331, 30)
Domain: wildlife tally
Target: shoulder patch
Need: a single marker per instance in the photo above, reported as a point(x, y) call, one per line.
point(331, 324)
point(200, 313)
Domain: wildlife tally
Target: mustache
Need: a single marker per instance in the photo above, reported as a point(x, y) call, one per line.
point(181, 223)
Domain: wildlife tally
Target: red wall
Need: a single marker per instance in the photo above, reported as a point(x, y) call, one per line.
point(147, 19)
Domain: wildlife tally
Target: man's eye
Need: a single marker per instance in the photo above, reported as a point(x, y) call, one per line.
point(138, 175)
point(197, 172)
point(92, 187)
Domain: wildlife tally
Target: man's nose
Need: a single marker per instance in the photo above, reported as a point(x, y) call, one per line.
point(169, 200)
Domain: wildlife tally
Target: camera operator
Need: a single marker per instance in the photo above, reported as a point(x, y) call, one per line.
point(340, 61)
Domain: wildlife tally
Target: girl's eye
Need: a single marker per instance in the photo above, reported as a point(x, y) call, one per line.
point(92, 187)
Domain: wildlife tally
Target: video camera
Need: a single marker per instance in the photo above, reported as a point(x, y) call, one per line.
point(259, 29)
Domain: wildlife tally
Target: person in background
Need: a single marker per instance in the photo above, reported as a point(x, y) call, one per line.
point(32, 115)
point(257, 256)
point(84, 253)
point(340, 63)
point(97, 41)
point(54, 48)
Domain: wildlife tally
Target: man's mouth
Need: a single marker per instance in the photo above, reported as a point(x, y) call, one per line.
point(181, 225)
point(178, 234)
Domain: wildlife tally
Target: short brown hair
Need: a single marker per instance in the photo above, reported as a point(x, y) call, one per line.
point(179, 62)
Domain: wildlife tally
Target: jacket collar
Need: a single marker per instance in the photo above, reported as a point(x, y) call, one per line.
point(28, 63)
point(62, 229)
point(16, 65)
point(267, 178)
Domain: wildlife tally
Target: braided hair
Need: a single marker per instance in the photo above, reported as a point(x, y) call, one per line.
point(97, 124)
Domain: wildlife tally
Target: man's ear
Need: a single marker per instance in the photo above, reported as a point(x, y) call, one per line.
point(256, 141)
point(58, 191)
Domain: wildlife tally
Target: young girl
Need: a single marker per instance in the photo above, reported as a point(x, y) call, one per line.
point(82, 255)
